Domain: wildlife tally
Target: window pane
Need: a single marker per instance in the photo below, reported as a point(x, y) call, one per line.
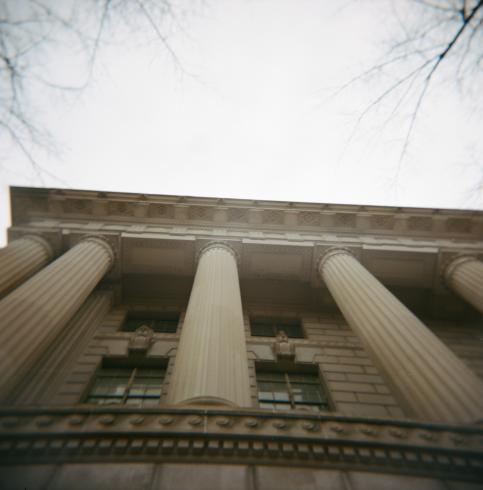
point(293, 331)
point(266, 405)
point(104, 401)
point(131, 325)
point(111, 385)
point(281, 396)
point(261, 330)
point(271, 376)
point(159, 322)
point(272, 391)
point(282, 406)
point(165, 326)
point(308, 393)
point(270, 327)
point(106, 383)
point(304, 378)
point(302, 390)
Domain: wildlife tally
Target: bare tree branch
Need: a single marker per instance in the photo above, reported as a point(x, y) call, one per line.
point(452, 32)
point(30, 33)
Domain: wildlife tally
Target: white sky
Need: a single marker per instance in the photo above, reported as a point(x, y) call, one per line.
point(254, 121)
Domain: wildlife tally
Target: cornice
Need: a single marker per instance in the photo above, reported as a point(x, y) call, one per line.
point(305, 217)
point(82, 433)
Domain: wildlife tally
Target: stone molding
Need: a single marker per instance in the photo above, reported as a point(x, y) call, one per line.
point(51, 435)
point(30, 203)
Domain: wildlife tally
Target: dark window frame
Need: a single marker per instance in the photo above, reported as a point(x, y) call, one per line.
point(271, 326)
point(134, 370)
point(158, 321)
point(293, 388)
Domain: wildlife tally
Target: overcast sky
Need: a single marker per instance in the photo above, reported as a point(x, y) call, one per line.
point(248, 115)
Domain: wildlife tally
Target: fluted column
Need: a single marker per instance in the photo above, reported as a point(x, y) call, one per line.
point(464, 275)
point(211, 362)
point(22, 258)
point(32, 315)
point(433, 382)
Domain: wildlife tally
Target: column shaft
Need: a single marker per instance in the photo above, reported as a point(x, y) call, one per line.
point(57, 360)
point(22, 258)
point(211, 362)
point(465, 276)
point(432, 381)
point(32, 315)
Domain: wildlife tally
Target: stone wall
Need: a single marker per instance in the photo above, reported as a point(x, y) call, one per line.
point(173, 476)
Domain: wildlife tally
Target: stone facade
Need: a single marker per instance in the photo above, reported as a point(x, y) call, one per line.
point(374, 310)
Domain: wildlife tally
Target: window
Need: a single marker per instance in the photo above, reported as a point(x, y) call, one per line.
point(269, 327)
point(139, 386)
point(159, 322)
point(286, 390)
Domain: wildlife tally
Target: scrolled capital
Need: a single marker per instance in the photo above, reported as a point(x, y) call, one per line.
point(451, 265)
point(49, 250)
point(218, 244)
point(104, 243)
point(328, 254)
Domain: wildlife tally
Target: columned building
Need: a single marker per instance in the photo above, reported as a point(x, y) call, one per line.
point(166, 342)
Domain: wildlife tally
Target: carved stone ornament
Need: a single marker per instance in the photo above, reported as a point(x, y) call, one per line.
point(383, 222)
point(308, 218)
point(141, 340)
point(458, 225)
point(283, 348)
point(272, 217)
point(238, 215)
point(420, 223)
point(345, 220)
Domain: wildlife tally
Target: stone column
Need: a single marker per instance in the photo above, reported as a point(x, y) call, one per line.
point(464, 275)
point(432, 381)
point(34, 314)
point(211, 363)
point(22, 258)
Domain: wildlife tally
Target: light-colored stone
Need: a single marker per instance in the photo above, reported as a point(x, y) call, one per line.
point(370, 481)
point(47, 374)
point(433, 383)
point(110, 476)
point(211, 363)
point(202, 477)
point(35, 313)
point(22, 258)
point(465, 276)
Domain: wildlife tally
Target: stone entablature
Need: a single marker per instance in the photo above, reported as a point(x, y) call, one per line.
point(174, 251)
point(79, 434)
point(29, 203)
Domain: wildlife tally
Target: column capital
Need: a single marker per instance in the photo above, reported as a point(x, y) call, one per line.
point(47, 246)
point(330, 252)
point(220, 244)
point(104, 242)
point(449, 267)
point(50, 240)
